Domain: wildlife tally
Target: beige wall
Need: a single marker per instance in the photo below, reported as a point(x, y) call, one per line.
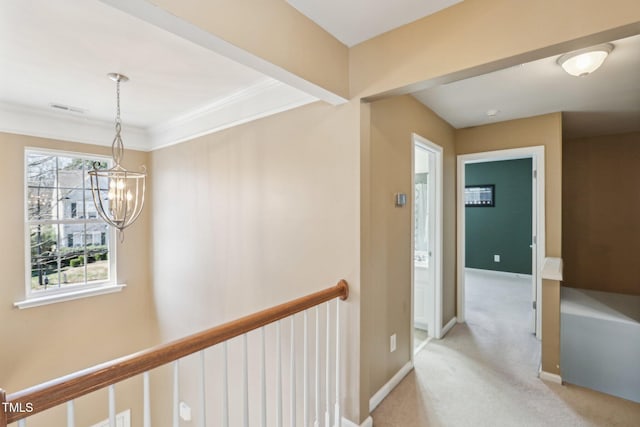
point(600, 205)
point(275, 31)
point(257, 215)
point(477, 36)
point(386, 248)
point(44, 342)
point(543, 130)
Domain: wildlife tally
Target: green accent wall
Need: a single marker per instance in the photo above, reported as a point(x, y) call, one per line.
point(504, 229)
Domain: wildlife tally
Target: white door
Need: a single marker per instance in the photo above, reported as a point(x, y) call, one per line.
point(534, 249)
point(424, 232)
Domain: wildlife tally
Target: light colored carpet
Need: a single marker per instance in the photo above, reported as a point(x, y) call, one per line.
point(484, 373)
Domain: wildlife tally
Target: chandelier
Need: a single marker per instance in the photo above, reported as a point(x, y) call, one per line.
point(118, 193)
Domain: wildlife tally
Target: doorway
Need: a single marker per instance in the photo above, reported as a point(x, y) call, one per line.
point(426, 264)
point(536, 154)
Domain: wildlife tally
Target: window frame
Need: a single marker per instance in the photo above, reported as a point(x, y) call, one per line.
point(35, 298)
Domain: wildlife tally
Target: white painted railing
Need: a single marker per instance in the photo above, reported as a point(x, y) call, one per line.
point(64, 390)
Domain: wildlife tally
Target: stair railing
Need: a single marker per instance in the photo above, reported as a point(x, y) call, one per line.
point(18, 406)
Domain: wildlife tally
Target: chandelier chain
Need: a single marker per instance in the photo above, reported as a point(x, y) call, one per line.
point(117, 148)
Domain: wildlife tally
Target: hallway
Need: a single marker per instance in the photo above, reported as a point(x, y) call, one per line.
point(484, 373)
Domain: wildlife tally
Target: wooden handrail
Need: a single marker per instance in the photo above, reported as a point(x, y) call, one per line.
point(53, 393)
point(3, 411)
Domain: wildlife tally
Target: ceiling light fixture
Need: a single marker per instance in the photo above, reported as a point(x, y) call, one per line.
point(585, 61)
point(118, 193)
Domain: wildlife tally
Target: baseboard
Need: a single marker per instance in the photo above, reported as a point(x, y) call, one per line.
point(500, 273)
point(450, 324)
point(390, 385)
point(547, 376)
point(366, 423)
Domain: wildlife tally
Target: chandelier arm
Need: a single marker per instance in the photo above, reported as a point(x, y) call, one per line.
point(98, 200)
point(138, 210)
point(123, 200)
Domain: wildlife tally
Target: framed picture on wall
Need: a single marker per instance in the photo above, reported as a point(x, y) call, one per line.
point(480, 196)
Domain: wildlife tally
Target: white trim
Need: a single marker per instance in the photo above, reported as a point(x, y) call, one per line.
point(68, 296)
point(368, 422)
point(438, 255)
point(384, 391)
point(500, 273)
point(552, 269)
point(263, 99)
point(450, 324)
point(47, 123)
point(547, 376)
point(422, 345)
point(537, 154)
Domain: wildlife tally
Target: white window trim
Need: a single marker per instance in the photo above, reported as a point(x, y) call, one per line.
point(69, 295)
point(69, 292)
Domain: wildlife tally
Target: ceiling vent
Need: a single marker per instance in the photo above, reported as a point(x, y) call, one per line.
point(67, 108)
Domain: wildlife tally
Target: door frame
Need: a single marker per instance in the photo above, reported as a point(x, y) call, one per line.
point(438, 258)
point(536, 153)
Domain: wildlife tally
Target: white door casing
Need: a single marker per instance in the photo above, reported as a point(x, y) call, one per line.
point(536, 153)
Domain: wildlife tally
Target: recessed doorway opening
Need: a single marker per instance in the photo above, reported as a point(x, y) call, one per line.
point(426, 263)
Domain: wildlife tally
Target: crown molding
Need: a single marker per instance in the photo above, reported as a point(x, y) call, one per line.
point(263, 99)
point(260, 100)
point(44, 123)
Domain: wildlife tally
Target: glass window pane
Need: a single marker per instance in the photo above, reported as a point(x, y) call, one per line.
point(97, 239)
point(71, 204)
point(41, 204)
point(41, 170)
point(44, 256)
point(92, 213)
point(59, 190)
point(70, 172)
point(72, 254)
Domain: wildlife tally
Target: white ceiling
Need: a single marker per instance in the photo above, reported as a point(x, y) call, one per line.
point(354, 21)
point(59, 52)
point(607, 101)
point(184, 84)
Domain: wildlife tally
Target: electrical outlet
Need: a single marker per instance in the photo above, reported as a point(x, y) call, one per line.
point(496, 258)
point(185, 411)
point(392, 343)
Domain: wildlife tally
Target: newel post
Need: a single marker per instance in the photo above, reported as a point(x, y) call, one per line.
point(3, 412)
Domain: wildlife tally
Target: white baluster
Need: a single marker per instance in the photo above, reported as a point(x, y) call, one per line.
point(336, 411)
point(327, 415)
point(225, 387)
point(246, 381)
point(203, 390)
point(22, 422)
point(146, 400)
point(70, 414)
point(278, 377)
point(316, 422)
point(263, 374)
point(305, 371)
point(292, 374)
point(176, 394)
point(112, 406)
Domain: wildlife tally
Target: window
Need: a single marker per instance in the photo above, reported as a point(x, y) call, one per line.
point(68, 247)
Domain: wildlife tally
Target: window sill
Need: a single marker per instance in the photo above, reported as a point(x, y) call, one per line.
point(68, 296)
